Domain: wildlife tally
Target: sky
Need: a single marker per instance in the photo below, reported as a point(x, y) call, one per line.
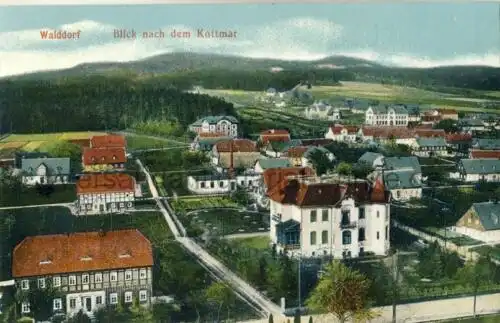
point(415, 34)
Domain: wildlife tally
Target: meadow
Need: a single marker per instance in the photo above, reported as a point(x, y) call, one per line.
point(31, 142)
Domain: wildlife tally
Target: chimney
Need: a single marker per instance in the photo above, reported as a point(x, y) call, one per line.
point(272, 130)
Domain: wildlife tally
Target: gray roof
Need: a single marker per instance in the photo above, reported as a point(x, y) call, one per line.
point(486, 143)
point(384, 109)
point(401, 179)
point(369, 157)
point(480, 166)
point(403, 162)
point(470, 122)
point(207, 144)
point(413, 109)
point(54, 165)
point(20, 155)
point(431, 142)
point(214, 120)
point(489, 214)
point(266, 163)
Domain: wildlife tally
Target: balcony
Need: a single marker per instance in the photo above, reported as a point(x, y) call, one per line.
point(287, 247)
point(348, 225)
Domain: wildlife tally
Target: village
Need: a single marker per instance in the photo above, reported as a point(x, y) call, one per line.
point(400, 182)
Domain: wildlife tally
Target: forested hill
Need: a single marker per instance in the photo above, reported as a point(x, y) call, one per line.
point(96, 103)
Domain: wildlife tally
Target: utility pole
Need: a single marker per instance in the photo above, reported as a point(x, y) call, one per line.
point(299, 281)
point(395, 284)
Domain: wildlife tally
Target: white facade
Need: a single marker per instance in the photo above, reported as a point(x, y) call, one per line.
point(474, 178)
point(393, 117)
point(484, 236)
point(105, 202)
point(343, 135)
point(405, 194)
point(343, 231)
point(42, 177)
point(221, 185)
point(88, 302)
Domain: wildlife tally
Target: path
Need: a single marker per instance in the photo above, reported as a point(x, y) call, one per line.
point(215, 267)
point(423, 311)
point(33, 206)
point(247, 235)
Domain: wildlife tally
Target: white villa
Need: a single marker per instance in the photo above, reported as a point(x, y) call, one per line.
point(393, 115)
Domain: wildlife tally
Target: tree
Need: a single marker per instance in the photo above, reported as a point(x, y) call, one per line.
point(40, 301)
point(344, 168)
point(79, 317)
point(342, 293)
point(361, 170)
point(240, 196)
point(220, 294)
point(271, 319)
point(320, 161)
point(310, 319)
point(140, 314)
point(448, 125)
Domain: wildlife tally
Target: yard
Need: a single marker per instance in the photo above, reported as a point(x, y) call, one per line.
point(220, 221)
point(175, 271)
point(198, 203)
point(30, 142)
point(146, 142)
point(38, 195)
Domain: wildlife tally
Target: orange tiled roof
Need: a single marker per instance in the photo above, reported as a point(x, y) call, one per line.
point(108, 141)
point(105, 182)
point(273, 176)
point(475, 153)
point(336, 129)
point(274, 135)
point(100, 156)
point(458, 137)
point(296, 152)
point(239, 145)
point(81, 252)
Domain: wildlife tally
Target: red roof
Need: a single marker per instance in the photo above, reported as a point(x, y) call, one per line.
point(423, 132)
point(448, 111)
point(401, 132)
point(325, 194)
point(273, 176)
point(105, 182)
point(238, 145)
point(431, 118)
point(336, 129)
point(108, 141)
point(274, 135)
point(296, 152)
point(81, 252)
point(493, 154)
point(453, 137)
point(100, 156)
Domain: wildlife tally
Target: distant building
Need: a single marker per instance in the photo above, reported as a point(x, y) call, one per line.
point(481, 222)
point(89, 270)
point(477, 170)
point(393, 115)
point(45, 171)
point(222, 183)
point(371, 159)
point(103, 159)
point(323, 111)
point(265, 163)
point(274, 135)
point(105, 193)
point(448, 114)
point(228, 125)
point(238, 153)
point(311, 217)
point(108, 141)
point(430, 147)
point(343, 133)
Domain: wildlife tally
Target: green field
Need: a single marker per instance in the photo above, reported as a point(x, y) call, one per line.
point(198, 203)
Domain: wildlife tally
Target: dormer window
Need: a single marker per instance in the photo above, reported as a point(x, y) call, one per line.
point(103, 158)
point(45, 262)
point(86, 258)
point(114, 157)
point(125, 255)
point(93, 159)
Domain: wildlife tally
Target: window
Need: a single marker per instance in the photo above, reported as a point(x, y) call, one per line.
point(250, 183)
point(142, 274)
point(378, 235)
point(324, 237)
point(212, 185)
point(57, 304)
point(386, 232)
point(378, 214)
point(312, 217)
point(128, 275)
point(41, 282)
point(85, 279)
point(361, 213)
point(25, 308)
point(346, 237)
point(113, 298)
point(72, 303)
point(98, 300)
point(113, 276)
point(361, 234)
point(98, 278)
point(128, 297)
point(72, 280)
point(324, 216)
point(346, 217)
point(143, 295)
point(202, 184)
point(312, 237)
point(221, 184)
point(56, 281)
point(25, 284)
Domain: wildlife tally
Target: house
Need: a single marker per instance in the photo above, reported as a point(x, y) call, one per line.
point(105, 193)
point(403, 184)
point(413, 113)
point(371, 159)
point(392, 115)
point(108, 141)
point(206, 144)
point(222, 183)
point(430, 147)
point(486, 144)
point(459, 142)
point(308, 156)
point(45, 171)
point(343, 133)
point(398, 135)
point(476, 170)
point(89, 270)
point(295, 154)
point(481, 222)
point(271, 92)
point(322, 110)
point(313, 217)
point(481, 154)
point(276, 149)
point(19, 156)
point(274, 135)
point(448, 114)
point(471, 125)
point(265, 163)
point(403, 163)
point(235, 153)
point(103, 159)
point(272, 177)
point(227, 125)
point(358, 106)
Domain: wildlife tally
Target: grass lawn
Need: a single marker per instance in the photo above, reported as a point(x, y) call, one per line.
point(145, 142)
point(260, 243)
point(482, 319)
point(30, 196)
point(224, 221)
point(196, 203)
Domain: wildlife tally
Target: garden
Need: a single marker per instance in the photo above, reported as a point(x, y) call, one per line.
point(202, 202)
point(491, 251)
point(175, 272)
